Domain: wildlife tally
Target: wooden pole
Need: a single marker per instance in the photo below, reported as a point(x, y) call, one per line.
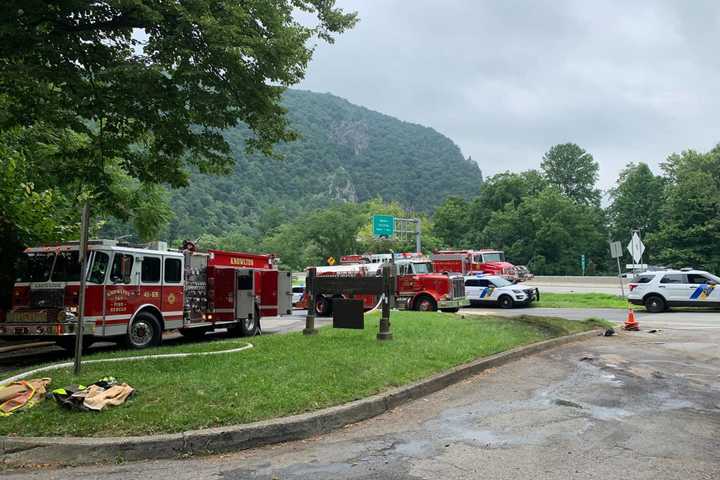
point(384, 332)
point(82, 257)
point(310, 288)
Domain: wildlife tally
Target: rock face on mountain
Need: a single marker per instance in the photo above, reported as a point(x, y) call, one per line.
point(345, 152)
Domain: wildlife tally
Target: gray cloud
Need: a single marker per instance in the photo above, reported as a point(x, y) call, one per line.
point(628, 81)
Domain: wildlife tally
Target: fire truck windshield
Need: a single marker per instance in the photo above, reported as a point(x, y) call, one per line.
point(67, 267)
point(493, 257)
point(422, 267)
point(35, 267)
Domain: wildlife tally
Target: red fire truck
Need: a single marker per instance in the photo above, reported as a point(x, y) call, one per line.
point(467, 262)
point(135, 293)
point(418, 288)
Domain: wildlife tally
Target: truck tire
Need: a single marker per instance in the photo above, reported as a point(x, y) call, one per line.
point(425, 303)
point(144, 332)
point(450, 310)
point(248, 327)
point(655, 303)
point(506, 301)
point(323, 307)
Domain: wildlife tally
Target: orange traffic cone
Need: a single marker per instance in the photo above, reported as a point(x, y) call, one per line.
point(631, 323)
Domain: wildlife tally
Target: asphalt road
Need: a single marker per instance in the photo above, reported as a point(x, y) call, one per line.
point(632, 406)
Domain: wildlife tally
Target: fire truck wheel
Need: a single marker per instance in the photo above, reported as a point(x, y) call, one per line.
point(425, 303)
point(248, 327)
point(505, 301)
point(144, 332)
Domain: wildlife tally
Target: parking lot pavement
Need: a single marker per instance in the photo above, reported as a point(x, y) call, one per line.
point(631, 406)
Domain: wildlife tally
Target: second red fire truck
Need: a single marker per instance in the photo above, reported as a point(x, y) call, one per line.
point(134, 293)
point(491, 262)
point(417, 288)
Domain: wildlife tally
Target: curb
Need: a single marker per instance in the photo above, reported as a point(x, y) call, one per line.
point(64, 451)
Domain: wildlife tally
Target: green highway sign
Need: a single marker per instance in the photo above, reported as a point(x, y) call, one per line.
point(383, 225)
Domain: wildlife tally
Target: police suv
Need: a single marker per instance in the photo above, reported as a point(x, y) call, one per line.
point(493, 289)
point(659, 291)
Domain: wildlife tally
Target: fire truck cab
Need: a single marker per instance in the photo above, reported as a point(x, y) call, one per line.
point(466, 262)
point(134, 293)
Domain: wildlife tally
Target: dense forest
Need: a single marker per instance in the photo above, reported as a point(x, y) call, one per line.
point(345, 153)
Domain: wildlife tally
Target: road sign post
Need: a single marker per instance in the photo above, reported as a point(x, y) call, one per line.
point(582, 264)
point(616, 253)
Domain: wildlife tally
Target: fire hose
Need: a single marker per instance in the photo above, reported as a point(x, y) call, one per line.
point(55, 366)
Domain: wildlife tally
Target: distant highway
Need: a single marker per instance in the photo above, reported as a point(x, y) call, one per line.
point(577, 284)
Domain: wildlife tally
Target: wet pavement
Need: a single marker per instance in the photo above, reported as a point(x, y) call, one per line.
point(633, 406)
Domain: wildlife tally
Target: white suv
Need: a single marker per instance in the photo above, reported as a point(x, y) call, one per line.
point(659, 291)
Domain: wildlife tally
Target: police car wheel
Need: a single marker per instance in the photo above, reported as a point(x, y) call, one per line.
point(505, 301)
point(144, 332)
point(655, 304)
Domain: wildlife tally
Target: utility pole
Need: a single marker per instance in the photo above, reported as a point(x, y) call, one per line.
point(418, 248)
point(83, 258)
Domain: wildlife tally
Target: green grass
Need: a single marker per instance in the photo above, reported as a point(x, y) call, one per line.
point(282, 375)
point(581, 300)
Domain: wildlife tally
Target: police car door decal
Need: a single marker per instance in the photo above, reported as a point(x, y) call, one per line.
point(486, 293)
point(702, 292)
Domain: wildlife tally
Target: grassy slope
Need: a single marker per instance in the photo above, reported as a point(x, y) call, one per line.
point(282, 375)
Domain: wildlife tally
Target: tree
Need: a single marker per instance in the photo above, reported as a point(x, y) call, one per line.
point(148, 87)
point(690, 226)
point(549, 232)
point(573, 171)
point(335, 229)
point(498, 191)
point(637, 201)
point(452, 221)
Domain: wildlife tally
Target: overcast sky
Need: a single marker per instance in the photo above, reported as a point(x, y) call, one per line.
point(505, 80)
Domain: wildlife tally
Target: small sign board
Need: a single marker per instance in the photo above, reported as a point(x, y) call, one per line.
point(348, 313)
point(636, 247)
point(331, 261)
point(383, 225)
point(615, 250)
point(348, 285)
point(636, 266)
